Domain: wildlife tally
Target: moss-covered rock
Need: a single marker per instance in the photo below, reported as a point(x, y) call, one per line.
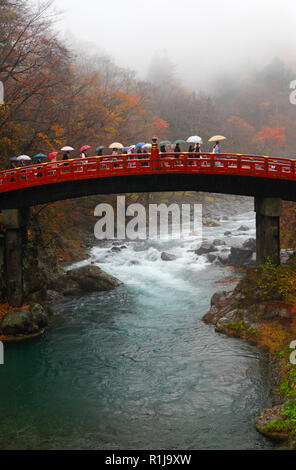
point(24, 322)
point(272, 423)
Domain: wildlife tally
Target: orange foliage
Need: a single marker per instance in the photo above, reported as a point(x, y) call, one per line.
point(277, 134)
point(272, 336)
point(160, 124)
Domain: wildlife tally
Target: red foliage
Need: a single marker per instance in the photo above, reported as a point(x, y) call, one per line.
point(160, 124)
point(275, 133)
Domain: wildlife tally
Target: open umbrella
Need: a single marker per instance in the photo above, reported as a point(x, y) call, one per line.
point(13, 159)
point(147, 146)
point(180, 141)
point(67, 148)
point(194, 139)
point(40, 155)
point(85, 147)
point(130, 148)
point(217, 138)
point(140, 144)
point(52, 155)
point(100, 147)
point(164, 142)
point(24, 157)
point(116, 145)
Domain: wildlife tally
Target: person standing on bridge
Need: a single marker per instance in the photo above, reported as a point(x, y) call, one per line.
point(190, 155)
point(177, 148)
point(191, 149)
point(66, 155)
point(13, 164)
point(217, 148)
point(83, 150)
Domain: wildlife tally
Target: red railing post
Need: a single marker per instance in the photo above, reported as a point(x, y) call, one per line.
point(155, 160)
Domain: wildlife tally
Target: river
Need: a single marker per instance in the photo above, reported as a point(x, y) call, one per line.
point(136, 368)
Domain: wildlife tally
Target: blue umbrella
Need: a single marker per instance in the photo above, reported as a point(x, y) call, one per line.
point(140, 144)
point(40, 155)
point(13, 159)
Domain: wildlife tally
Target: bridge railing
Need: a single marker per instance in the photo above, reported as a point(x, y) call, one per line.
point(140, 164)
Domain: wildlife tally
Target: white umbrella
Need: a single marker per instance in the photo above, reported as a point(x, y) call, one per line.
point(217, 138)
point(147, 146)
point(194, 139)
point(24, 157)
point(130, 148)
point(67, 149)
point(116, 145)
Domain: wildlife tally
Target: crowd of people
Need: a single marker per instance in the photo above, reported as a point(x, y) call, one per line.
point(141, 148)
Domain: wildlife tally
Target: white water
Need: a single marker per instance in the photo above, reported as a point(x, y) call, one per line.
point(140, 264)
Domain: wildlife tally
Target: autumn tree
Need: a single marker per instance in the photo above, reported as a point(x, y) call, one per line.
point(33, 63)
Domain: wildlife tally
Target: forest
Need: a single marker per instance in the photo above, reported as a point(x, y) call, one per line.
point(59, 95)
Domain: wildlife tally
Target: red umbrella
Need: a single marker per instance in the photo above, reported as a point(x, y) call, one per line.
point(52, 155)
point(85, 147)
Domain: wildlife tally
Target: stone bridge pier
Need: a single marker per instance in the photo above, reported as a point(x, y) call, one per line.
point(15, 222)
point(268, 212)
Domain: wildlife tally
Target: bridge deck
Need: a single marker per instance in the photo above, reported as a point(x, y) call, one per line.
point(140, 164)
point(247, 175)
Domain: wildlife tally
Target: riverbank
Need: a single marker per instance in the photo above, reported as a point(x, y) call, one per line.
point(264, 315)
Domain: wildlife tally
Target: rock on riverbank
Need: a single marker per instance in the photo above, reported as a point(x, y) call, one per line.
point(26, 321)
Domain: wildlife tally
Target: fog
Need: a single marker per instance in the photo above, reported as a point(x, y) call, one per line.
point(204, 39)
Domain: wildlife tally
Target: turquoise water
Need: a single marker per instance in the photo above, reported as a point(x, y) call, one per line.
point(136, 368)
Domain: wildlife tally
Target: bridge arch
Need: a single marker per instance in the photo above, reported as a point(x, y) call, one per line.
point(268, 180)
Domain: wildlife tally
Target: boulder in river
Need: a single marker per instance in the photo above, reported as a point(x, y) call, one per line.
point(88, 278)
point(167, 256)
point(227, 233)
point(133, 262)
point(239, 257)
point(206, 247)
point(116, 249)
point(250, 244)
point(212, 257)
point(223, 258)
point(218, 242)
point(92, 279)
point(210, 222)
point(243, 228)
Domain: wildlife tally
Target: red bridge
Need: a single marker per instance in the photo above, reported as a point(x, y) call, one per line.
point(249, 175)
point(268, 179)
